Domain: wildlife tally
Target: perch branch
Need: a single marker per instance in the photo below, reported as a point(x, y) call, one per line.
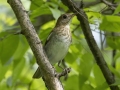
point(82, 17)
point(47, 71)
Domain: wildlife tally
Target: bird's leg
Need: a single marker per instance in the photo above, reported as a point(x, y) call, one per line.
point(64, 68)
point(59, 64)
point(67, 70)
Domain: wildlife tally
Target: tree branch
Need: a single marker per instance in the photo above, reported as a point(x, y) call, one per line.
point(47, 71)
point(87, 3)
point(111, 5)
point(82, 17)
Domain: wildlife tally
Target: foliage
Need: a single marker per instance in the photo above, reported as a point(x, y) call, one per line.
point(17, 62)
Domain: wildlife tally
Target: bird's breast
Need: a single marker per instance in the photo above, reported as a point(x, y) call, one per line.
point(63, 33)
point(56, 50)
point(58, 45)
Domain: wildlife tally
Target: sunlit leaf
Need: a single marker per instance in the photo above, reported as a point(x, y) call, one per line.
point(99, 78)
point(8, 46)
point(17, 69)
point(72, 83)
point(110, 23)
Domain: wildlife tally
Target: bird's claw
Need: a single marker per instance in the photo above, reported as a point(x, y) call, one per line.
point(63, 73)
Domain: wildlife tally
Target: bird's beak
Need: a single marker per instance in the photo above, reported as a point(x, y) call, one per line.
point(72, 15)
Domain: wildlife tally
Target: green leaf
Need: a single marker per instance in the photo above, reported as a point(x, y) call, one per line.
point(3, 86)
point(22, 48)
point(117, 10)
point(45, 31)
point(110, 23)
point(114, 71)
point(103, 86)
point(112, 18)
point(35, 4)
point(113, 42)
point(99, 78)
point(117, 82)
point(43, 9)
point(37, 84)
point(82, 80)
point(56, 13)
point(117, 56)
point(72, 54)
point(87, 87)
point(86, 64)
point(54, 9)
point(17, 69)
point(3, 70)
point(72, 83)
point(8, 47)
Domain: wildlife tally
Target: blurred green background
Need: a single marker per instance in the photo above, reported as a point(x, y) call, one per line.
point(17, 62)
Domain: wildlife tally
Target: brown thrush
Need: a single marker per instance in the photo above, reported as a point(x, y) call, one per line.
point(58, 42)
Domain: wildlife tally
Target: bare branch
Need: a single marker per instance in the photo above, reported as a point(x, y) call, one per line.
point(47, 71)
point(82, 17)
point(111, 5)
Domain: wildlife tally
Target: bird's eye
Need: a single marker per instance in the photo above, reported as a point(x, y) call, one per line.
point(64, 16)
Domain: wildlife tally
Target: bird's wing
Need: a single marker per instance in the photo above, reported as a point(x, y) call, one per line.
point(48, 38)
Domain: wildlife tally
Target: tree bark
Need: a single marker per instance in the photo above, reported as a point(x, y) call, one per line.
point(47, 71)
point(82, 17)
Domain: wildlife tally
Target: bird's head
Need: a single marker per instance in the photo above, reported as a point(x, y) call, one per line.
point(64, 19)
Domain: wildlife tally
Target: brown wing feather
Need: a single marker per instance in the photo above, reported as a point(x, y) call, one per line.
point(48, 37)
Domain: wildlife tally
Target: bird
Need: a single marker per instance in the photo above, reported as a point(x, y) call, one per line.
point(58, 41)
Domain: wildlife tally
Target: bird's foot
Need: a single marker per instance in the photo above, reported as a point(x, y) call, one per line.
point(63, 73)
